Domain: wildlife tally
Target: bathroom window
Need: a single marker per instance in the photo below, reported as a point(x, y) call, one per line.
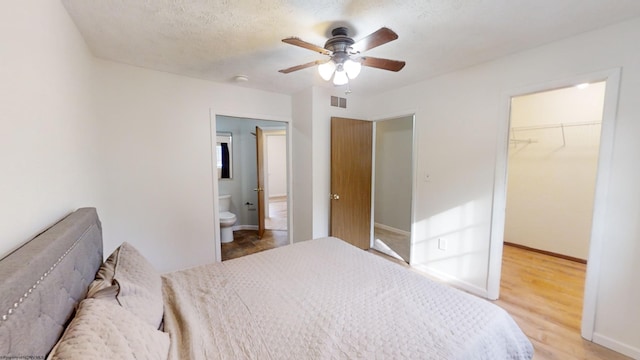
point(224, 152)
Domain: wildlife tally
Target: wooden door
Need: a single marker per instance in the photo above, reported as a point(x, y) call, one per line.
point(351, 155)
point(260, 175)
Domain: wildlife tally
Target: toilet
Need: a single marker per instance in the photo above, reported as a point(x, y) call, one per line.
point(227, 219)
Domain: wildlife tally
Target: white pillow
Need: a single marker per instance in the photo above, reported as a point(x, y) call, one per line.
point(140, 285)
point(104, 330)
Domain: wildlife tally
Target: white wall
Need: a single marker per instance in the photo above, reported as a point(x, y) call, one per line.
point(156, 154)
point(47, 123)
point(394, 173)
point(276, 156)
point(552, 178)
point(457, 120)
point(301, 158)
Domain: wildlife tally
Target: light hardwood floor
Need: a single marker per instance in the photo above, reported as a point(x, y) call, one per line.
point(399, 244)
point(544, 295)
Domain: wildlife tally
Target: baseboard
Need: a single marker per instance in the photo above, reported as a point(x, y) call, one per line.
point(617, 346)
point(545, 252)
point(392, 229)
point(245, 227)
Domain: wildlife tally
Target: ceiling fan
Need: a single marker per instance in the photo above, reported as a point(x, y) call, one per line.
point(345, 60)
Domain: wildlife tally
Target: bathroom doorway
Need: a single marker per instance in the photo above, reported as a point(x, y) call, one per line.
point(244, 188)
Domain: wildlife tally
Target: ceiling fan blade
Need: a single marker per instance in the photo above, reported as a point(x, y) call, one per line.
point(303, 44)
point(300, 67)
point(377, 38)
point(384, 64)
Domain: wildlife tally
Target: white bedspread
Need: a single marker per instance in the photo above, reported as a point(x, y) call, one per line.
point(325, 299)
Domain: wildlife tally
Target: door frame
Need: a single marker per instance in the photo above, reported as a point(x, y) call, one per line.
point(260, 177)
point(612, 79)
point(214, 177)
point(414, 166)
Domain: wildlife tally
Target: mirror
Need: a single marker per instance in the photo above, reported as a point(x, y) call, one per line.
point(224, 154)
point(393, 186)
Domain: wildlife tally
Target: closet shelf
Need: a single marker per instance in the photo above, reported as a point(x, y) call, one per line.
point(561, 126)
point(555, 126)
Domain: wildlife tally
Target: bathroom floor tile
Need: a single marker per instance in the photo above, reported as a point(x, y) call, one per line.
point(246, 242)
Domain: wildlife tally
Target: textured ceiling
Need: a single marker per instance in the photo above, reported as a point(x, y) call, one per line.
point(218, 39)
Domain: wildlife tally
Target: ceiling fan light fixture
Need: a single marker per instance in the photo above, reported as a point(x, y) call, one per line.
point(340, 48)
point(340, 77)
point(326, 70)
point(341, 70)
point(352, 68)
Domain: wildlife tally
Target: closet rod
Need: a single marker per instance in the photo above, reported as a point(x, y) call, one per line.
point(555, 126)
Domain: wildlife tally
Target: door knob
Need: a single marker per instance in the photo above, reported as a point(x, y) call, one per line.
point(257, 189)
point(334, 196)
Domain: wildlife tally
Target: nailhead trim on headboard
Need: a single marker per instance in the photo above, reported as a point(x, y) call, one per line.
point(32, 321)
point(5, 316)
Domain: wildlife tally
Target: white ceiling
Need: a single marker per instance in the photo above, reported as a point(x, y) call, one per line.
point(218, 39)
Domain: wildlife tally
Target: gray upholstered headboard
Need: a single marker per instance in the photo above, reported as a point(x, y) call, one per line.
point(42, 281)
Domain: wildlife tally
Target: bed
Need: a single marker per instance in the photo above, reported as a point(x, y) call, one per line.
point(317, 299)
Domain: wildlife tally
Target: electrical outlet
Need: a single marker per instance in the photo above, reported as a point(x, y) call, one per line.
point(442, 244)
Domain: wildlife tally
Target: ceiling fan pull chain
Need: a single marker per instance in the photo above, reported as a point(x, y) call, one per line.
point(348, 91)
